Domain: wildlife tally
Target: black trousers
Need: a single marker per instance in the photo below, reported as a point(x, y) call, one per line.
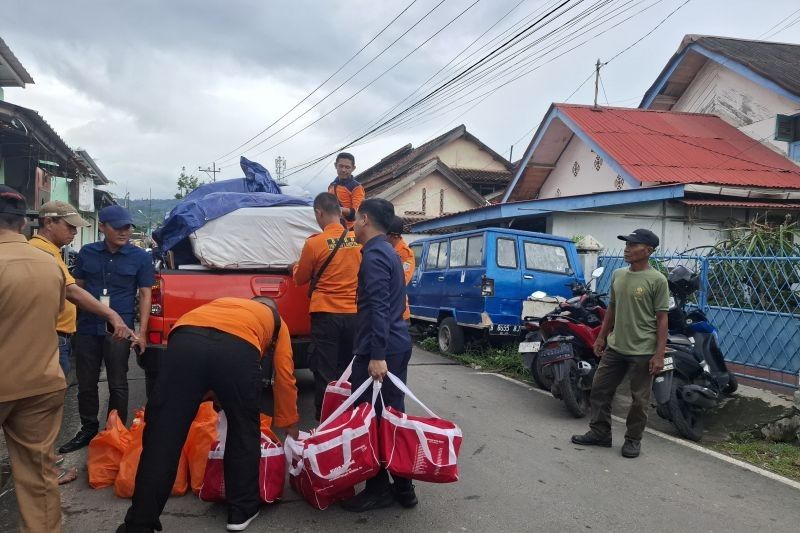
point(332, 338)
point(198, 360)
point(91, 351)
point(392, 397)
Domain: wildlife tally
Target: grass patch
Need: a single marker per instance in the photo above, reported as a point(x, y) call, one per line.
point(503, 360)
point(779, 457)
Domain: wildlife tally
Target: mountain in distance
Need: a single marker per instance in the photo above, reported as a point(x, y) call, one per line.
point(145, 208)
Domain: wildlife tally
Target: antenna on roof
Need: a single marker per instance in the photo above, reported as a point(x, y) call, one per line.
point(596, 80)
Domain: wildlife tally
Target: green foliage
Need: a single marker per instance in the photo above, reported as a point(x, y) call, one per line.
point(504, 360)
point(779, 457)
point(186, 184)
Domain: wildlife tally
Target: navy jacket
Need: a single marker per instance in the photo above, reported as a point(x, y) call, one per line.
point(119, 275)
point(381, 299)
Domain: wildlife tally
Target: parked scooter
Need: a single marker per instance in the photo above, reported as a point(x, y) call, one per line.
point(700, 377)
point(563, 359)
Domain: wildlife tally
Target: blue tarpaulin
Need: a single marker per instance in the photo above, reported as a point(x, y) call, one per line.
point(212, 200)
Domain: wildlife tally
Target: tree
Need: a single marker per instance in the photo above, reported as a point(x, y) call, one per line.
point(186, 184)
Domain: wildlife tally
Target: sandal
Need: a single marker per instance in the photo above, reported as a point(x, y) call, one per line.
point(59, 460)
point(67, 475)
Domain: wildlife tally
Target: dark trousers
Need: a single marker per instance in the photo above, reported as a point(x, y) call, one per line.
point(198, 360)
point(91, 351)
point(392, 397)
point(332, 339)
point(612, 370)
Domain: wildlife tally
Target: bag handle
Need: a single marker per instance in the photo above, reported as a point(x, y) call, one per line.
point(346, 374)
point(222, 429)
point(352, 400)
point(403, 388)
point(312, 286)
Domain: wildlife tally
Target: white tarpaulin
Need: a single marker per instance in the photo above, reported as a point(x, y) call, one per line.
point(255, 237)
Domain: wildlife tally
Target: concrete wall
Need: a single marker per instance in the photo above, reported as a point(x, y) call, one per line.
point(411, 200)
point(737, 100)
point(678, 226)
point(463, 153)
point(563, 182)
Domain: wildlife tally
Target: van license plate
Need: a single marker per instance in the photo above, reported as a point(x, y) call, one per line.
point(504, 329)
point(525, 347)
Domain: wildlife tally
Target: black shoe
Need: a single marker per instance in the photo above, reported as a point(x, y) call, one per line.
point(406, 496)
point(80, 440)
point(631, 449)
point(367, 501)
point(238, 521)
point(590, 439)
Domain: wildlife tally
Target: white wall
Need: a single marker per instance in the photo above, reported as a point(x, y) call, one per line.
point(737, 100)
point(411, 200)
point(678, 226)
point(562, 181)
point(463, 153)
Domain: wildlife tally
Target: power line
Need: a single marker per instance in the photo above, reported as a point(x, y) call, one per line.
point(784, 19)
point(786, 27)
point(318, 87)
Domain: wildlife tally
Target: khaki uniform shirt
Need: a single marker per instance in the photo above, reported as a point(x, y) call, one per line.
point(67, 318)
point(32, 292)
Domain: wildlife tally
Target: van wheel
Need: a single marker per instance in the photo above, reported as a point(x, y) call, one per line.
point(451, 337)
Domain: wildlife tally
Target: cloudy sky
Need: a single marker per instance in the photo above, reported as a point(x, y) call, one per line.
point(150, 86)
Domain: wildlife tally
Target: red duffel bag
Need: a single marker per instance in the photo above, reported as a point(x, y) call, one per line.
point(341, 453)
point(416, 447)
point(336, 393)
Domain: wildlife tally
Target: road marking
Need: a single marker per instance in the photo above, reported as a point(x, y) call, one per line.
point(685, 443)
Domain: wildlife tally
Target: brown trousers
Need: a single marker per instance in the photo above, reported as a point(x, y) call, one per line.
point(610, 372)
point(31, 426)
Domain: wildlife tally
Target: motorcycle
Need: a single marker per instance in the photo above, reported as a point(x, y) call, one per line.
point(700, 378)
point(563, 360)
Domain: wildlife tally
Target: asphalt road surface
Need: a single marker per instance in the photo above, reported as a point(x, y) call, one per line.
point(519, 472)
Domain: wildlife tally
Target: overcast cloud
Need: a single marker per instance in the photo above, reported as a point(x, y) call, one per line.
point(149, 86)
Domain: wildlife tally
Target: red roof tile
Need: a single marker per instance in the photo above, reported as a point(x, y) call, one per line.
point(672, 147)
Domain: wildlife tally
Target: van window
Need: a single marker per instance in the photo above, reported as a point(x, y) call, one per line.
point(417, 250)
point(458, 252)
point(442, 263)
point(433, 256)
point(475, 251)
point(546, 257)
point(506, 253)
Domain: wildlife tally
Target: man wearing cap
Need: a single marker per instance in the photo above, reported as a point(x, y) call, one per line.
point(58, 225)
point(395, 237)
point(31, 381)
point(631, 343)
point(113, 271)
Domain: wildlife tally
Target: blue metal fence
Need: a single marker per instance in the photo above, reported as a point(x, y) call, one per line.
point(753, 301)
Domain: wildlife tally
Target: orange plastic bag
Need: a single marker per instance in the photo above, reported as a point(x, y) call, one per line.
point(105, 452)
point(266, 423)
point(202, 434)
point(126, 479)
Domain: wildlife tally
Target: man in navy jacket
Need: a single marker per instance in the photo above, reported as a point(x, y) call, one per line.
point(382, 342)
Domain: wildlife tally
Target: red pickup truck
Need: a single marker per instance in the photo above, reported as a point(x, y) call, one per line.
point(178, 291)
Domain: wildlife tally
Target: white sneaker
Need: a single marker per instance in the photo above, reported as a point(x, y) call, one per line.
point(243, 525)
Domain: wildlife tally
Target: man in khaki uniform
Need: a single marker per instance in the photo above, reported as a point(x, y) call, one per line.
point(58, 225)
point(32, 385)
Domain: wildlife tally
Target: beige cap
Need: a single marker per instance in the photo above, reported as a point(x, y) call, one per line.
point(63, 210)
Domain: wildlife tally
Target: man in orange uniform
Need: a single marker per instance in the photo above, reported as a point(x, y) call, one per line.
point(345, 188)
point(333, 294)
point(217, 347)
point(395, 237)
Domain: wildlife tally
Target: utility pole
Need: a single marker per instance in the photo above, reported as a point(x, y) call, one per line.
point(596, 80)
point(212, 172)
point(150, 214)
point(280, 170)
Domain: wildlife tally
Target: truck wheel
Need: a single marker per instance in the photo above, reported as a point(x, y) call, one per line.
point(451, 337)
point(686, 419)
point(575, 398)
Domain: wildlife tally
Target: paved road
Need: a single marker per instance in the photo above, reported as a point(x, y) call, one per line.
point(519, 472)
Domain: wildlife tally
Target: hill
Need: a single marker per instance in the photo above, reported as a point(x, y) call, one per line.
point(154, 209)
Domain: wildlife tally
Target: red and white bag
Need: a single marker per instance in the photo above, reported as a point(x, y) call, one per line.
point(271, 468)
point(326, 464)
point(336, 393)
point(421, 448)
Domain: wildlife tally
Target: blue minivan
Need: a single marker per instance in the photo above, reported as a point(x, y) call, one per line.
point(472, 284)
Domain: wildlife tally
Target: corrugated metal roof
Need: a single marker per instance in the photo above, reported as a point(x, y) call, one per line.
point(739, 204)
point(12, 73)
point(672, 147)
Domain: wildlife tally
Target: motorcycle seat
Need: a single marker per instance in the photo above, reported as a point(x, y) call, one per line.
point(679, 339)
